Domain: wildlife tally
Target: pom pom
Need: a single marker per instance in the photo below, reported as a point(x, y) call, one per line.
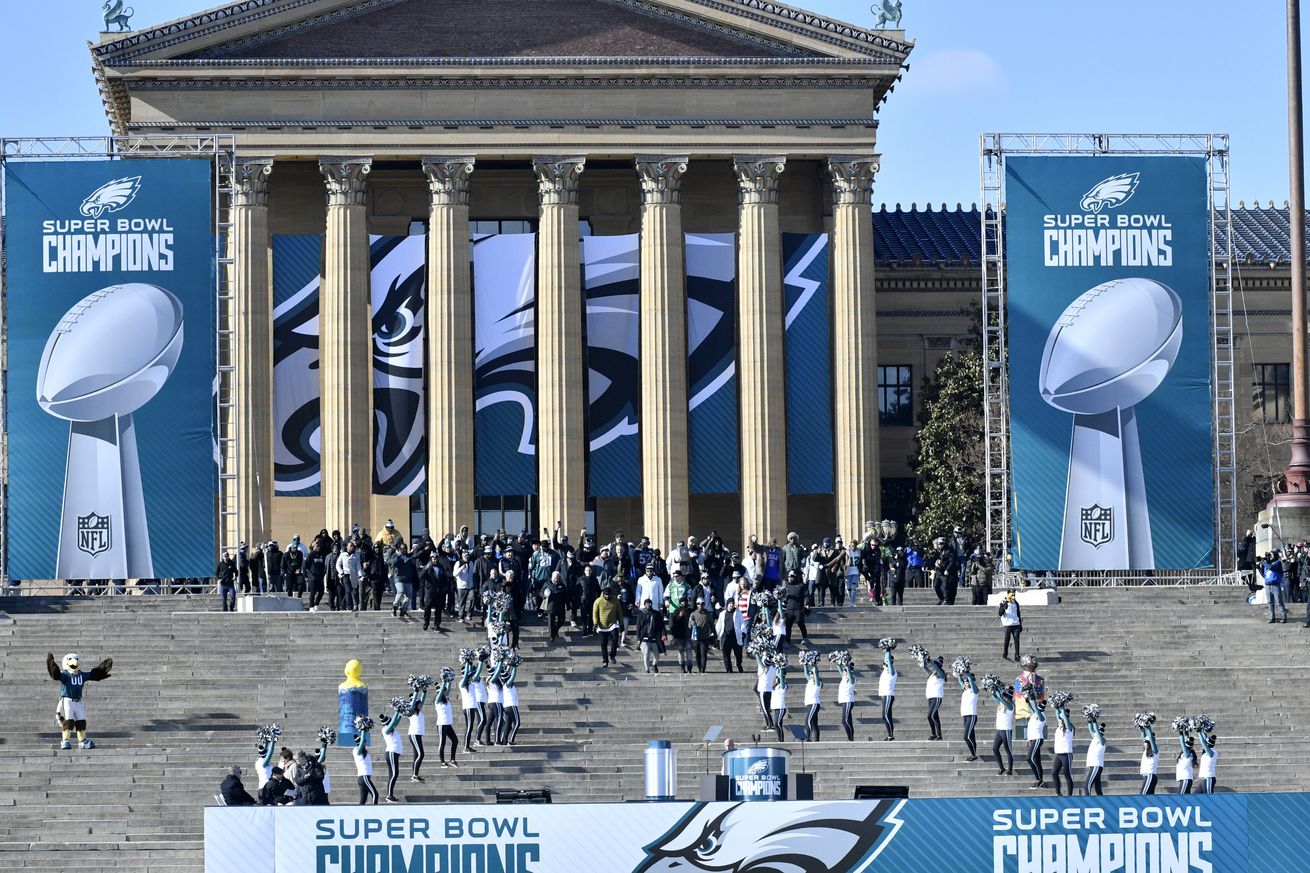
point(484, 653)
point(499, 629)
point(1144, 720)
point(501, 602)
point(1092, 712)
point(327, 736)
point(1204, 724)
point(419, 683)
point(961, 665)
point(762, 599)
point(1182, 724)
point(513, 658)
point(887, 643)
point(918, 652)
point(841, 657)
point(363, 723)
point(991, 683)
point(447, 674)
point(1060, 699)
point(467, 656)
point(1027, 689)
point(780, 661)
point(809, 657)
point(268, 733)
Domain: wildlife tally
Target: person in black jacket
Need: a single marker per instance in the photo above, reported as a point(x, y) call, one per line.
point(793, 603)
point(896, 577)
point(431, 592)
point(293, 568)
point(276, 791)
point(309, 782)
point(243, 569)
point(273, 566)
point(650, 632)
point(234, 793)
point(258, 584)
point(226, 573)
point(946, 573)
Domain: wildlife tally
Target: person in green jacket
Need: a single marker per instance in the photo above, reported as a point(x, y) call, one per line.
point(607, 616)
point(676, 594)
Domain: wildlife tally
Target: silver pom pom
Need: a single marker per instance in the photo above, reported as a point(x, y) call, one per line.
point(762, 599)
point(1027, 689)
point(809, 657)
point(363, 723)
point(961, 665)
point(991, 683)
point(1092, 712)
point(447, 674)
point(268, 733)
point(419, 683)
point(327, 736)
point(467, 656)
point(1143, 720)
point(918, 653)
point(887, 643)
point(1060, 699)
point(484, 653)
point(513, 658)
point(1204, 724)
point(841, 658)
point(780, 661)
point(1182, 724)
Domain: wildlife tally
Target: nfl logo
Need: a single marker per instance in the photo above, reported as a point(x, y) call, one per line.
point(1098, 525)
point(93, 533)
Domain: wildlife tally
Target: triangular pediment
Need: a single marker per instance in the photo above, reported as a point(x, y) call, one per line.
point(354, 30)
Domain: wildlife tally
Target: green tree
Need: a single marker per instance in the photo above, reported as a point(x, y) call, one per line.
point(949, 458)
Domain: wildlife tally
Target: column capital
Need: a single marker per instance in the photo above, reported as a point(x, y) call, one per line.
point(757, 177)
point(345, 179)
point(448, 179)
point(557, 179)
point(852, 177)
point(250, 184)
point(661, 177)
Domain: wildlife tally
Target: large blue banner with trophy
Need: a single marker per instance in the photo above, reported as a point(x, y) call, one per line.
point(110, 306)
point(1108, 271)
point(1232, 833)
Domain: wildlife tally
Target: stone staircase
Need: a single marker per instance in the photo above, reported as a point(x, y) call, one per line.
point(190, 684)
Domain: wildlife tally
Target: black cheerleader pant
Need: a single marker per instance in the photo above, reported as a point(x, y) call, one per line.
point(847, 723)
point(970, 739)
point(1093, 782)
point(416, 740)
point(448, 734)
point(812, 722)
point(1063, 765)
point(509, 726)
point(765, 698)
point(393, 773)
point(1184, 786)
point(493, 724)
point(887, 715)
point(779, 715)
point(1207, 785)
point(1035, 759)
point(1002, 741)
point(482, 723)
point(934, 717)
point(1149, 782)
point(367, 789)
point(470, 724)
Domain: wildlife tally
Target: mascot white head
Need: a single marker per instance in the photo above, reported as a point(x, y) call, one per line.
point(71, 662)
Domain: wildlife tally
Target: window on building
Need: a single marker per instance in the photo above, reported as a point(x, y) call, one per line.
point(1272, 400)
point(895, 397)
point(898, 502)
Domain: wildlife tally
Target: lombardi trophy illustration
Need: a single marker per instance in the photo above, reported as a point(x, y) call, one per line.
point(1108, 351)
point(107, 357)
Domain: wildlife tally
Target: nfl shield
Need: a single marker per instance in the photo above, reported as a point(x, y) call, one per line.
point(93, 533)
point(1097, 525)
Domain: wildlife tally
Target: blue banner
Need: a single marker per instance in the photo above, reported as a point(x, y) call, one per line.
point(1109, 340)
point(399, 289)
point(296, 397)
point(504, 363)
point(611, 271)
point(110, 305)
point(809, 363)
point(712, 363)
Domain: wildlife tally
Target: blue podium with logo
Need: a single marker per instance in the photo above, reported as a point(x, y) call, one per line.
point(757, 774)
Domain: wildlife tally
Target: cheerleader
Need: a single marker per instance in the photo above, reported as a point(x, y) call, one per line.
point(1063, 741)
point(510, 703)
point(1185, 768)
point(468, 700)
point(1004, 697)
point(1035, 733)
point(1095, 760)
point(887, 685)
point(766, 676)
point(393, 742)
point(364, 761)
point(962, 667)
point(813, 684)
point(417, 725)
point(446, 719)
point(845, 690)
point(327, 737)
point(494, 698)
point(779, 701)
point(934, 691)
point(480, 694)
point(1209, 752)
point(264, 750)
point(1150, 765)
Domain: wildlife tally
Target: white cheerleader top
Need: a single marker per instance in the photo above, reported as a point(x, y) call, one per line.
point(779, 699)
point(417, 724)
point(395, 745)
point(936, 687)
point(511, 695)
point(480, 691)
point(493, 693)
point(1150, 765)
point(1184, 770)
point(811, 692)
point(444, 714)
point(1036, 729)
point(1004, 718)
point(765, 682)
point(968, 701)
point(467, 700)
point(363, 763)
point(1208, 760)
point(263, 771)
point(1063, 740)
point(887, 683)
point(1096, 752)
point(846, 690)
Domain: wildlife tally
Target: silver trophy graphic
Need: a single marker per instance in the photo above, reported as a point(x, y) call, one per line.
point(1108, 351)
point(107, 357)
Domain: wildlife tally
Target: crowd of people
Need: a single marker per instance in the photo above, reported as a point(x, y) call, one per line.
point(1284, 574)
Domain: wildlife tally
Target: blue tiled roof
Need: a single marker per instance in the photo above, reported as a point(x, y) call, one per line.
point(953, 236)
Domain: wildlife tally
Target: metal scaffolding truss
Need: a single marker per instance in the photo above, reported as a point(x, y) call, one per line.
point(995, 148)
point(220, 149)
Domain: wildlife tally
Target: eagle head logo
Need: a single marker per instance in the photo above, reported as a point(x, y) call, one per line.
point(111, 197)
point(818, 837)
point(1111, 192)
point(757, 768)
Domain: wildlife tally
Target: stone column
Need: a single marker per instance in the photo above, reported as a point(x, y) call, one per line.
point(561, 437)
point(253, 353)
point(450, 482)
point(854, 345)
point(760, 373)
point(346, 348)
point(664, 479)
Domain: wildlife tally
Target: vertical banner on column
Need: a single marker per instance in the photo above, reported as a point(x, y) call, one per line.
point(611, 267)
point(505, 354)
point(1108, 269)
point(297, 261)
point(399, 288)
point(809, 363)
point(110, 321)
point(712, 363)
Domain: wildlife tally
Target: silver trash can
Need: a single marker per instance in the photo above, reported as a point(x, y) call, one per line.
point(661, 771)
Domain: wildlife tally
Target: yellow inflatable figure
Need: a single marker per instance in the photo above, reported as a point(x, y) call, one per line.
point(354, 672)
point(352, 701)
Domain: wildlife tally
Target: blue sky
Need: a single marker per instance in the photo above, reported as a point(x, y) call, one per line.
point(1010, 65)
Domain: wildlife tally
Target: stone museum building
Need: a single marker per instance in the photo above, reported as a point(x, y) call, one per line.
point(676, 123)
